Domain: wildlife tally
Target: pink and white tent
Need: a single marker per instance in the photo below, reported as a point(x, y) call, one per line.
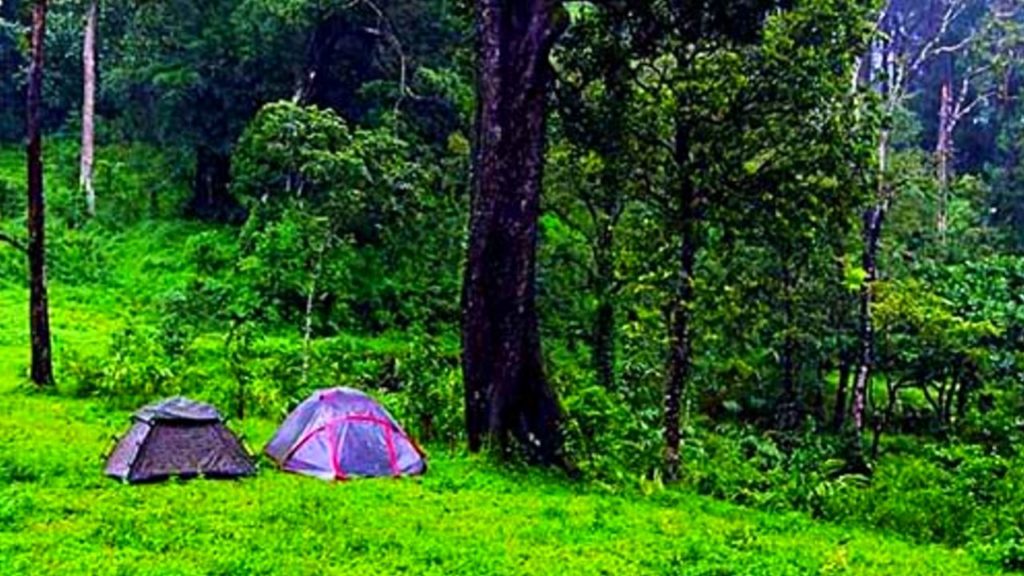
point(341, 433)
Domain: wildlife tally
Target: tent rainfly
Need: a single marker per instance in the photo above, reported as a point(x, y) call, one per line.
point(178, 437)
point(340, 433)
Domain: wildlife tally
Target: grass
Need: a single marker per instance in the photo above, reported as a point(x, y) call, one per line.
point(59, 515)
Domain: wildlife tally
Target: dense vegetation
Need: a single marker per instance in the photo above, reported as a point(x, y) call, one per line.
point(768, 252)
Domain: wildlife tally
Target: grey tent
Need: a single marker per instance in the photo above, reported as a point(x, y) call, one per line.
point(178, 437)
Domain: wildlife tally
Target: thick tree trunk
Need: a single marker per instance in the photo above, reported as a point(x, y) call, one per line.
point(89, 108)
point(681, 309)
point(39, 314)
point(506, 392)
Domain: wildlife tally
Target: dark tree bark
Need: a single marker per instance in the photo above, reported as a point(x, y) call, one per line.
point(841, 318)
point(604, 321)
point(688, 18)
point(842, 390)
point(816, 406)
point(211, 198)
point(874, 217)
point(681, 308)
point(39, 314)
point(790, 409)
point(506, 392)
point(690, 21)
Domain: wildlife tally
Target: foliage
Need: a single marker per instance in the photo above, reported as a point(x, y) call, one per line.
point(749, 128)
point(331, 208)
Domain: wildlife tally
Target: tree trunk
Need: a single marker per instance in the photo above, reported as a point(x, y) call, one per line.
point(89, 108)
point(506, 392)
point(790, 408)
point(817, 399)
point(211, 199)
point(840, 317)
point(842, 389)
point(873, 219)
point(604, 322)
point(944, 148)
point(681, 308)
point(39, 314)
point(885, 419)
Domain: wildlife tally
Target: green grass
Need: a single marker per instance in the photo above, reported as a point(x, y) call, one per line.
point(59, 515)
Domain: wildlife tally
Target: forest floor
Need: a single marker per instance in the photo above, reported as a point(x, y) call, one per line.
point(59, 515)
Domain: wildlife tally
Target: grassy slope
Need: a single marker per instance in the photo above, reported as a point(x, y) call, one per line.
point(58, 515)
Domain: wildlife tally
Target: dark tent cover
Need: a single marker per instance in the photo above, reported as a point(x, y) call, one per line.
point(339, 433)
point(178, 437)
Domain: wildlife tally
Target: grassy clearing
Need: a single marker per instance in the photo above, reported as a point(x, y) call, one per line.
point(58, 515)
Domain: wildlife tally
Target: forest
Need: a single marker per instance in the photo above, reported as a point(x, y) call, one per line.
point(698, 287)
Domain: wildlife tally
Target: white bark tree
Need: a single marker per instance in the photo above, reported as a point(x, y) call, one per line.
point(88, 150)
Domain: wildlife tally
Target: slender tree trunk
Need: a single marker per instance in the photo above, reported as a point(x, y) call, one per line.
point(840, 316)
point(39, 314)
point(885, 419)
point(873, 220)
point(681, 309)
point(507, 394)
point(817, 400)
point(842, 390)
point(89, 108)
point(211, 198)
point(604, 322)
point(790, 408)
point(944, 148)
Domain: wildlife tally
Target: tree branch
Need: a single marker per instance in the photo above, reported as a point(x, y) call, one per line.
point(13, 242)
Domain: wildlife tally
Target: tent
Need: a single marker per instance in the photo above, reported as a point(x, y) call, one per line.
point(340, 433)
point(178, 437)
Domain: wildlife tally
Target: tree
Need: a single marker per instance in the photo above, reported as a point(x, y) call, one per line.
point(596, 108)
point(89, 107)
point(507, 394)
point(676, 35)
point(908, 40)
point(39, 314)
